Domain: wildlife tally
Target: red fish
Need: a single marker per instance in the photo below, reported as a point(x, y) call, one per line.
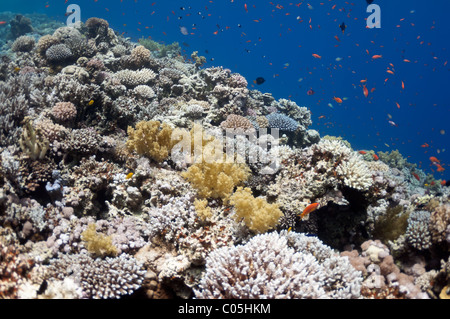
point(416, 176)
point(443, 182)
point(375, 157)
point(3, 22)
point(425, 145)
point(376, 56)
point(362, 152)
point(309, 209)
point(317, 56)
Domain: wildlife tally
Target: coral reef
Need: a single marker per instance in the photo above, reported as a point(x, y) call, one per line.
point(118, 179)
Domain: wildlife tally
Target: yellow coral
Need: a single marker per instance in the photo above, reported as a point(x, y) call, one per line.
point(258, 215)
point(217, 179)
point(98, 244)
point(152, 139)
point(202, 209)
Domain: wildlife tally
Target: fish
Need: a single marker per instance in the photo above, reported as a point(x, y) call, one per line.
point(362, 152)
point(440, 168)
point(369, 1)
point(375, 157)
point(337, 99)
point(425, 145)
point(3, 22)
point(316, 56)
point(343, 27)
point(377, 56)
point(416, 176)
point(310, 92)
point(91, 102)
point(309, 209)
point(366, 91)
point(129, 175)
point(392, 123)
point(259, 80)
point(434, 159)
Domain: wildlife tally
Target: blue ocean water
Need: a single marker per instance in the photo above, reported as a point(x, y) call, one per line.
point(276, 40)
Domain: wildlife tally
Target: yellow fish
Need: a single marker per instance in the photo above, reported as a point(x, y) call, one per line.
point(91, 102)
point(129, 175)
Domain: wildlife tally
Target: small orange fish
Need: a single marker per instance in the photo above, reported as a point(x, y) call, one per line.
point(337, 99)
point(440, 168)
point(366, 91)
point(3, 22)
point(362, 152)
point(434, 159)
point(375, 157)
point(376, 56)
point(309, 209)
point(245, 7)
point(443, 182)
point(425, 145)
point(317, 56)
point(403, 85)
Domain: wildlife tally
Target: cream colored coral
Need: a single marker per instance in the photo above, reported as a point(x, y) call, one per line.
point(202, 209)
point(258, 215)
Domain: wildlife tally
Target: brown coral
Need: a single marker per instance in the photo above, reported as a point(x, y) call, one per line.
point(237, 123)
point(439, 222)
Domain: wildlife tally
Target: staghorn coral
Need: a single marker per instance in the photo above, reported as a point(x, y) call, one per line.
point(132, 78)
point(237, 123)
point(258, 215)
point(267, 268)
point(418, 232)
point(99, 278)
point(58, 53)
point(23, 44)
point(281, 122)
point(439, 224)
point(64, 111)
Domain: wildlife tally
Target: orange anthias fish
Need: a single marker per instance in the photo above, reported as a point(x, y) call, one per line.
point(416, 176)
point(375, 157)
point(309, 209)
point(366, 91)
point(376, 56)
point(337, 99)
point(425, 145)
point(434, 159)
point(362, 152)
point(317, 56)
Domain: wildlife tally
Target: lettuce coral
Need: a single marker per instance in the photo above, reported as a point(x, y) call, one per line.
point(151, 138)
point(258, 215)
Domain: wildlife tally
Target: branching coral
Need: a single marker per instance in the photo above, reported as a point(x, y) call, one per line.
point(258, 215)
point(267, 267)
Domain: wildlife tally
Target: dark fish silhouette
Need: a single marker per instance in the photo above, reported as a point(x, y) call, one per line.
point(369, 1)
point(343, 27)
point(259, 80)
